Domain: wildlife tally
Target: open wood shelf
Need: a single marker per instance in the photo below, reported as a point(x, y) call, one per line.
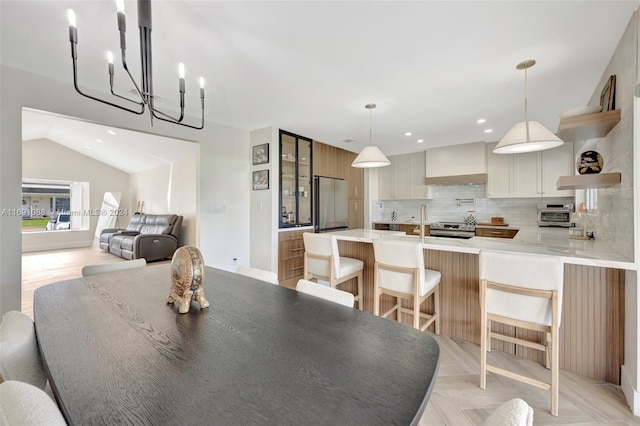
point(588, 126)
point(600, 180)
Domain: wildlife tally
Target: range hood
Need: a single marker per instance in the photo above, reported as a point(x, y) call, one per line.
point(456, 179)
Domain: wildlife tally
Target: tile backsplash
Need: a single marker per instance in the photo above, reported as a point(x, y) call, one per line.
point(444, 206)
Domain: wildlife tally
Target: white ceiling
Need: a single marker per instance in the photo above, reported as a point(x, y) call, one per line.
point(433, 67)
point(125, 150)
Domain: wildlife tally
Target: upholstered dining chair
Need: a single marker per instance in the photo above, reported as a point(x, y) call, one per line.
point(522, 290)
point(26, 405)
point(19, 355)
point(399, 272)
point(259, 274)
point(515, 412)
point(111, 267)
point(322, 261)
point(332, 294)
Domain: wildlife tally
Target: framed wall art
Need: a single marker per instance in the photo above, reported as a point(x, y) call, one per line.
point(260, 154)
point(260, 179)
point(608, 95)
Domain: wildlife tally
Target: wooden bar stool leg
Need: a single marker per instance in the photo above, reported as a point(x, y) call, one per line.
point(436, 307)
point(483, 336)
point(360, 292)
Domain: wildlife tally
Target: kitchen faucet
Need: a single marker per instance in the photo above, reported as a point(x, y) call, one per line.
point(423, 218)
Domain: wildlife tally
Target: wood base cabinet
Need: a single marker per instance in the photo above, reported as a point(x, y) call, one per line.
point(290, 257)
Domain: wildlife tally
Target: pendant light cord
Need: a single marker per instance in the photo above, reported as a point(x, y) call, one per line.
point(526, 120)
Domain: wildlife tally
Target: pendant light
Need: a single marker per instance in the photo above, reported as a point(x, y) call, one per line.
point(370, 156)
point(527, 136)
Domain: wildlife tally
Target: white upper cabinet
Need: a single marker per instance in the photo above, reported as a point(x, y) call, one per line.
point(500, 174)
point(555, 163)
point(465, 159)
point(403, 179)
point(528, 175)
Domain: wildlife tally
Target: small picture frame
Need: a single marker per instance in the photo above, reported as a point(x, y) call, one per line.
point(260, 154)
point(260, 180)
point(608, 95)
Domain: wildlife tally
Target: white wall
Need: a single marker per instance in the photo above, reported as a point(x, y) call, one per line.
point(264, 205)
point(170, 189)
point(617, 212)
point(223, 178)
point(45, 159)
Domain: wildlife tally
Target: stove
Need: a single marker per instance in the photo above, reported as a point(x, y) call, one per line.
point(452, 230)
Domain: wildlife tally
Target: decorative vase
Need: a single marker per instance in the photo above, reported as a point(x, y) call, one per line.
point(590, 162)
point(187, 278)
point(470, 218)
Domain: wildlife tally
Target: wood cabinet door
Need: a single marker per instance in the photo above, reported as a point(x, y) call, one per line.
point(356, 214)
point(418, 174)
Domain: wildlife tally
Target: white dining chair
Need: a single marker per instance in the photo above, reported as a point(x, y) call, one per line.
point(522, 290)
point(19, 355)
point(322, 261)
point(259, 274)
point(399, 272)
point(111, 267)
point(515, 412)
point(22, 404)
point(328, 293)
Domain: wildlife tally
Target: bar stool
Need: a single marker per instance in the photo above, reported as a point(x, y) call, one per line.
point(322, 261)
point(399, 272)
point(521, 290)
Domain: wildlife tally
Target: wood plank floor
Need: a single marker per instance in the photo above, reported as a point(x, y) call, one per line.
point(456, 400)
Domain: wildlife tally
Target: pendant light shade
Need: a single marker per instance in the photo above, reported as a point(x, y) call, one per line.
point(370, 156)
point(527, 136)
point(516, 140)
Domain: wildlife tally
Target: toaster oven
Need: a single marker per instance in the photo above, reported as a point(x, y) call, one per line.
point(555, 215)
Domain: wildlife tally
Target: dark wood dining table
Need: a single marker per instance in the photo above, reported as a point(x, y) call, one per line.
point(116, 352)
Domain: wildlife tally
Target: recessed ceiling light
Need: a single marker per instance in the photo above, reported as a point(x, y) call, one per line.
point(488, 130)
point(420, 140)
point(88, 147)
point(111, 132)
point(481, 120)
point(99, 141)
point(408, 134)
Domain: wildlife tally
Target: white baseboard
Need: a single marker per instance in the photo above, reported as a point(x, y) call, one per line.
point(56, 246)
point(631, 394)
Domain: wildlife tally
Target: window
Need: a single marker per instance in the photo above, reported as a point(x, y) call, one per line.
point(50, 205)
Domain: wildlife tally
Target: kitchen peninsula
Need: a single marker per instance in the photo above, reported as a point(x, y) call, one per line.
point(592, 326)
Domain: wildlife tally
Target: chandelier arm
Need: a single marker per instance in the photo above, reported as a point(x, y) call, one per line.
point(169, 117)
point(75, 84)
point(179, 123)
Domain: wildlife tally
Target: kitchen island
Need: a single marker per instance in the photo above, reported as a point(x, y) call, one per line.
point(592, 326)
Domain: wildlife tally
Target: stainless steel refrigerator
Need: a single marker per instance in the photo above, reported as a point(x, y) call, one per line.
point(331, 204)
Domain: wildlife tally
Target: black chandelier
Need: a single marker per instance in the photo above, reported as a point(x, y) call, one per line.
point(145, 89)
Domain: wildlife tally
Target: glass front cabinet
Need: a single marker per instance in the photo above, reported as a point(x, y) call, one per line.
point(295, 180)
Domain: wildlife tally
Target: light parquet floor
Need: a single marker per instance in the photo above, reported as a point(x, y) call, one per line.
point(457, 399)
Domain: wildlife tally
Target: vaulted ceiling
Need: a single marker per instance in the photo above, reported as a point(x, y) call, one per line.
point(433, 67)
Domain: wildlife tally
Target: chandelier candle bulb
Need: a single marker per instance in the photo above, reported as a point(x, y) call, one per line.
point(120, 6)
point(181, 71)
point(71, 16)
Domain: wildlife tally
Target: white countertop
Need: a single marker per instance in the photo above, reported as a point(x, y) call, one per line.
point(529, 239)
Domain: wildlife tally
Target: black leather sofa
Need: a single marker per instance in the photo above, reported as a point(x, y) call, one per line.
point(148, 236)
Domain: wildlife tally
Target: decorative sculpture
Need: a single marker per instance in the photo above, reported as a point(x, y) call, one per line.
point(187, 278)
